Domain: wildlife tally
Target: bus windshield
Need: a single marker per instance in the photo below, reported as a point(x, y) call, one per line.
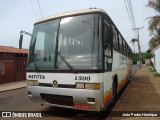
point(67, 43)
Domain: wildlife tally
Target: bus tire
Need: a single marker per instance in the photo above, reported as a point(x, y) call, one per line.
point(114, 89)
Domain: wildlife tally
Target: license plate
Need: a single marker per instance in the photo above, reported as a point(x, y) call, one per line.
point(82, 106)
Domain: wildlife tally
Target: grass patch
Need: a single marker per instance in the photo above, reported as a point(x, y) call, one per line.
point(151, 70)
point(156, 74)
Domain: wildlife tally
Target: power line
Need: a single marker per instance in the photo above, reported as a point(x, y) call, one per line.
point(128, 6)
point(131, 11)
point(128, 12)
point(36, 8)
point(143, 13)
point(33, 9)
point(40, 8)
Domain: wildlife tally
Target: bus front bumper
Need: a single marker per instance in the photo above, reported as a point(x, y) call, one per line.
point(83, 99)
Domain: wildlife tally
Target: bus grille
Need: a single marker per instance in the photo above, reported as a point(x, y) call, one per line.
point(59, 85)
point(58, 99)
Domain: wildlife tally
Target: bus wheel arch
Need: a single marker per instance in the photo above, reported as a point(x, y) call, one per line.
point(114, 88)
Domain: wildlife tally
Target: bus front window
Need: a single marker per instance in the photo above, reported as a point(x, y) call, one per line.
point(42, 46)
point(79, 42)
point(67, 43)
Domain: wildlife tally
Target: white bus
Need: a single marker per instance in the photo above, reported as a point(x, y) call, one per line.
point(77, 60)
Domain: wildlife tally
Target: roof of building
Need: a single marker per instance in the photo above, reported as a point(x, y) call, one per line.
point(74, 12)
point(9, 49)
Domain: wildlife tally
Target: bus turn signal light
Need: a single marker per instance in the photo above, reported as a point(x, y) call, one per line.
point(92, 86)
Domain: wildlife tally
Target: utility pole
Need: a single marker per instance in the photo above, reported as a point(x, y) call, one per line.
point(139, 48)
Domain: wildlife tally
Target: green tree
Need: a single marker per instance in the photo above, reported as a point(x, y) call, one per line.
point(149, 55)
point(133, 42)
point(154, 20)
point(155, 41)
point(154, 23)
point(143, 57)
point(135, 58)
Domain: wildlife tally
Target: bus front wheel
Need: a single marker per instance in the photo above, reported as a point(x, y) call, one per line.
point(114, 90)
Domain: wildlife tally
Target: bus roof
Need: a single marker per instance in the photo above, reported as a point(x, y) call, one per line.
point(70, 13)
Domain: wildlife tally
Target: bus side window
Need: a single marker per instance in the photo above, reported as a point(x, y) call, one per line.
point(108, 41)
point(124, 49)
point(115, 39)
point(121, 43)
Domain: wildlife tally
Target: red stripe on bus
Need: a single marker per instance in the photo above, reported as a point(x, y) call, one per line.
point(107, 99)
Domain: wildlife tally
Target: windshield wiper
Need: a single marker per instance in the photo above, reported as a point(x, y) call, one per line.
point(62, 58)
point(33, 57)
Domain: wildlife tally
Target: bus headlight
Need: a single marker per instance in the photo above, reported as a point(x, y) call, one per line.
point(80, 85)
point(91, 86)
point(32, 82)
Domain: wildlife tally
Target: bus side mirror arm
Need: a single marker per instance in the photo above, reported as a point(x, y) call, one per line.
point(21, 38)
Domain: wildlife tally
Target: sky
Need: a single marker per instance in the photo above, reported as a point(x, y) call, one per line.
point(17, 15)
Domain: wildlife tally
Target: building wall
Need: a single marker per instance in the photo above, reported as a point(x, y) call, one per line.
point(157, 59)
point(12, 67)
point(6, 70)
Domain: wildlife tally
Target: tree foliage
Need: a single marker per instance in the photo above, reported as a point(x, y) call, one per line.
point(155, 41)
point(149, 55)
point(155, 4)
point(154, 23)
point(135, 58)
point(134, 40)
point(154, 20)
